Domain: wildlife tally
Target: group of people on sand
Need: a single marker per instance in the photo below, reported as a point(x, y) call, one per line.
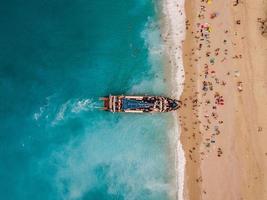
point(207, 100)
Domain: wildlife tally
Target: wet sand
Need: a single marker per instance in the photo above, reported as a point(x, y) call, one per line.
point(224, 114)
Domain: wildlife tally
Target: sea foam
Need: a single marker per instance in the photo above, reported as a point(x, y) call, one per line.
point(73, 107)
point(174, 33)
point(152, 83)
point(54, 114)
point(129, 159)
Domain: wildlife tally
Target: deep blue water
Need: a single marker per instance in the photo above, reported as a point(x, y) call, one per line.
point(56, 58)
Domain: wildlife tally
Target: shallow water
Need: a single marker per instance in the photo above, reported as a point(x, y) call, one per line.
point(56, 58)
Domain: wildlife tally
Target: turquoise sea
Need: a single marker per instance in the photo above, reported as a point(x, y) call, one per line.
point(57, 58)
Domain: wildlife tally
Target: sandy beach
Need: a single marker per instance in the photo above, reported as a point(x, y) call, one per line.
point(224, 114)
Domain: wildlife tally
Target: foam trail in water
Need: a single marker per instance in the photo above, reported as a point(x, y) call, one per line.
point(42, 109)
point(84, 105)
point(69, 109)
point(73, 107)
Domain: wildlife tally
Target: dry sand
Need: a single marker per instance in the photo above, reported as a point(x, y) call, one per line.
point(224, 117)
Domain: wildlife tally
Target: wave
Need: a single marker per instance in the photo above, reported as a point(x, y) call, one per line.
point(179, 158)
point(174, 34)
point(152, 82)
point(154, 44)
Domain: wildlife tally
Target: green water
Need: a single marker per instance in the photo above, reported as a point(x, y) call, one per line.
point(56, 58)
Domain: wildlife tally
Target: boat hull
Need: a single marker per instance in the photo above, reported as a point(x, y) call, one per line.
point(139, 104)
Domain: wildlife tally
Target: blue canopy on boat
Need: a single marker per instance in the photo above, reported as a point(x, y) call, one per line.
point(135, 104)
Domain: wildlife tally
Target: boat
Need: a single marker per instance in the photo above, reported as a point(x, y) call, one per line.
point(139, 104)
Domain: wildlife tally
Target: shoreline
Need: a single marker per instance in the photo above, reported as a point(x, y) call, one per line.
point(172, 22)
point(188, 116)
